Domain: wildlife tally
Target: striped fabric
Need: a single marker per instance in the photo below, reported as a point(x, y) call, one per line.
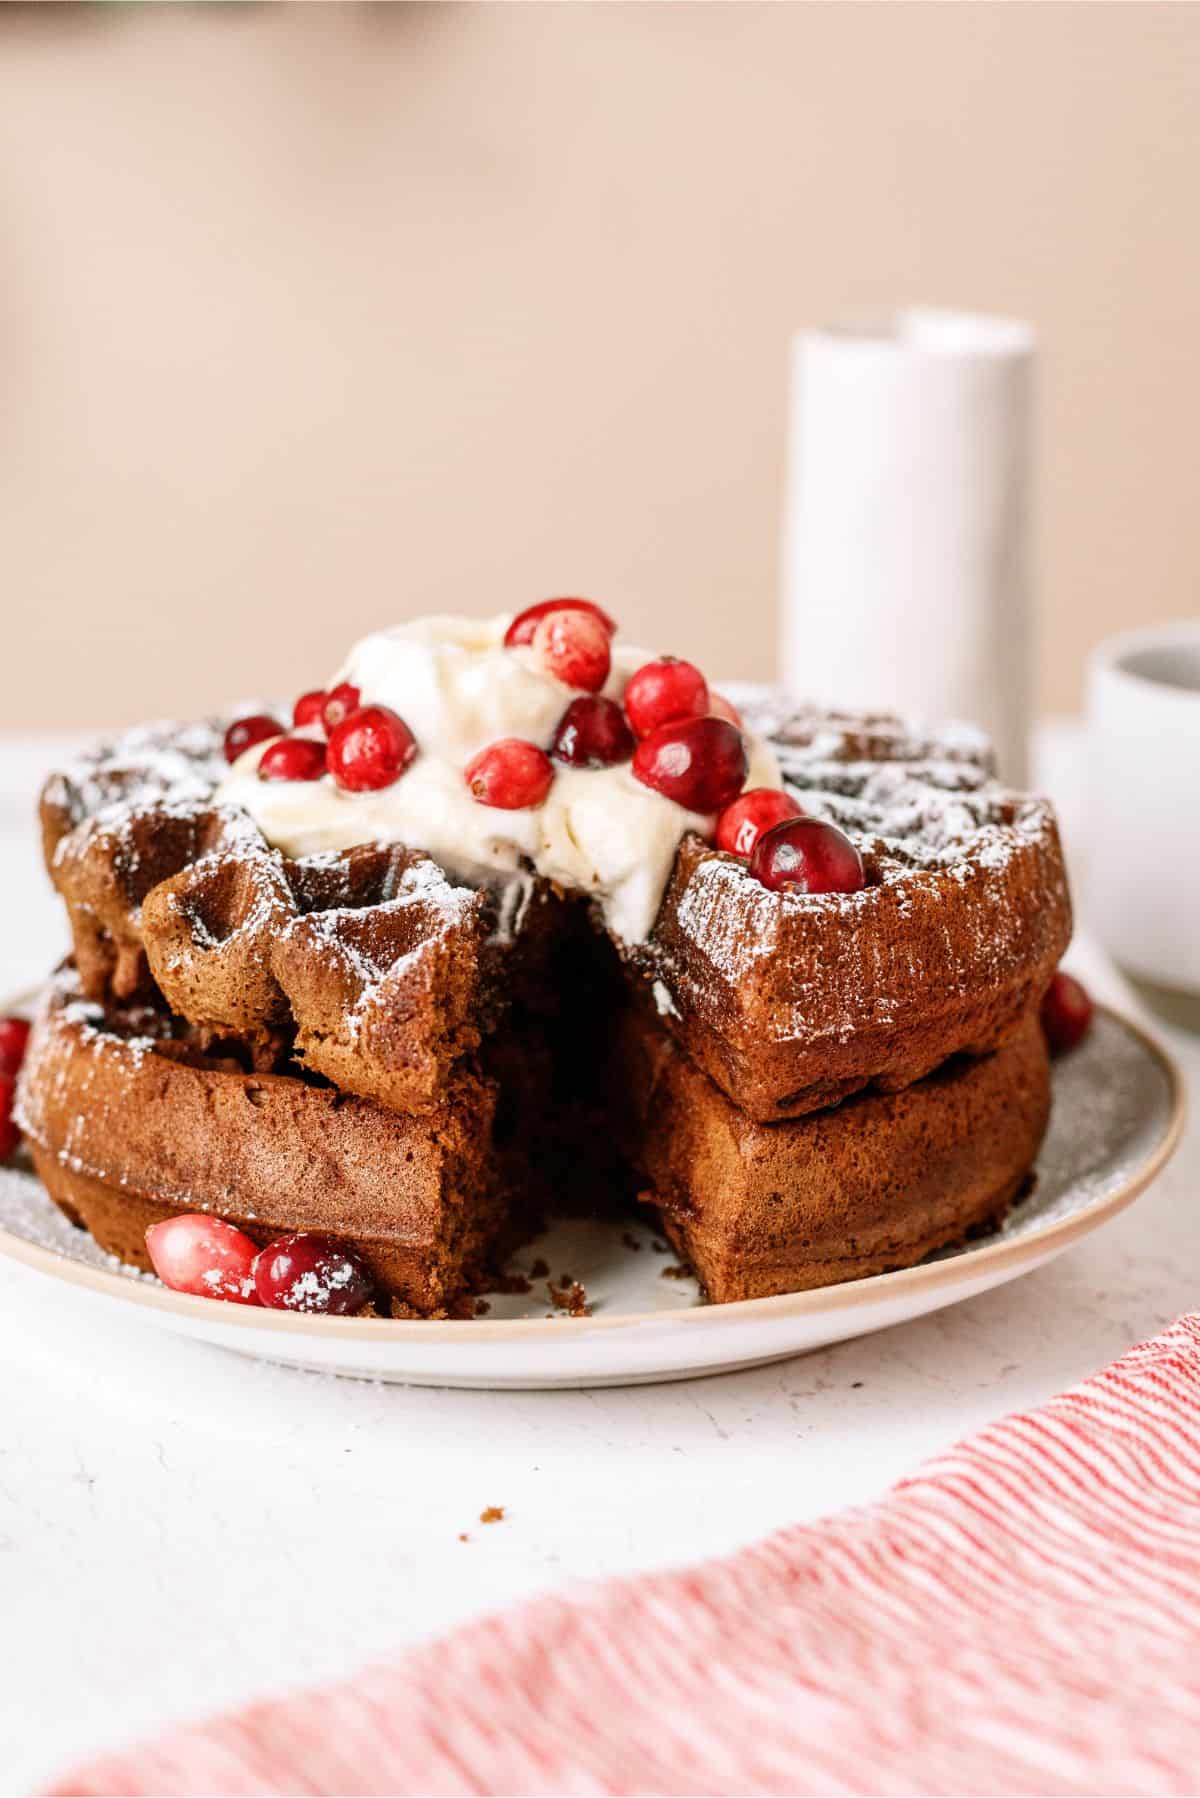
point(1022, 1616)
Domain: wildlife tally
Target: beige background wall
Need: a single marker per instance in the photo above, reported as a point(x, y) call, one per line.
point(312, 317)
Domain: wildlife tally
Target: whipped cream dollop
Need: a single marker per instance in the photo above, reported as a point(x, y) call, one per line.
point(458, 689)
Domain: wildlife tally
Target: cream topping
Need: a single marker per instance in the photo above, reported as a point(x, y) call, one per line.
point(459, 689)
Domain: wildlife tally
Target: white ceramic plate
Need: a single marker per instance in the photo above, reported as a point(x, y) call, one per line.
point(1118, 1113)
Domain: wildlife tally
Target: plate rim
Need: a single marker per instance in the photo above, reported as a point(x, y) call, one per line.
point(847, 1295)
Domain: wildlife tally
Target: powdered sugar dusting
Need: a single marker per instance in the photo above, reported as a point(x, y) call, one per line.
point(928, 818)
point(180, 763)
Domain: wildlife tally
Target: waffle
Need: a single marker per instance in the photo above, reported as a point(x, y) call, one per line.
point(792, 1002)
point(871, 1185)
point(366, 965)
point(130, 1122)
point(789, 1003)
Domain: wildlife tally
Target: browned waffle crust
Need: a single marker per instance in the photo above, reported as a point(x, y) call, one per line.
point(790, 1002)
point(129, 1128)
point(873, 1184)
point(372, 970)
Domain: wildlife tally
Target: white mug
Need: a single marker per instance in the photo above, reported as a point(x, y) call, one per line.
point(1143, 862)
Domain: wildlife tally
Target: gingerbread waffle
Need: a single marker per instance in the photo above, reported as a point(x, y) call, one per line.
point(366, 965)
point(791, 1002)
point(788, 1002)
point(873, 1184)
point(130, 1122)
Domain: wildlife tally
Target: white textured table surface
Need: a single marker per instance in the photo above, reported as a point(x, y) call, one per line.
point(181, 1530)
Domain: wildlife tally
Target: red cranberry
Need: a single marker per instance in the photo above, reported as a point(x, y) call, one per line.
point(525, 623)
point(592, 733)
point(10, 1135)
point(292, 758)
point(370, 749)
point(247, 732)
point(308, 708)
point(807, 856)
point(757, 810)
point(204, 1256)
point(311, 1272)
point(700, 763)
point(511, 774)
point(663, 692)
point(575, 648)
point(1066, 1013)
point(720, 707)
point(340, 701)
point(14, 1039)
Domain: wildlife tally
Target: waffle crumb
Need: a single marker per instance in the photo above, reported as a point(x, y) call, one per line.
point(675, 1271)
point(631, 1241)
point(570, 1296)
point(491, 1514)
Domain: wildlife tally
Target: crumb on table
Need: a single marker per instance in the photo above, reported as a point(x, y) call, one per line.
point(491, 1514)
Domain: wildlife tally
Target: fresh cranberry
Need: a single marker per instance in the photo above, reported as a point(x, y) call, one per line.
point(806, 855)
point(10, 1136)
point(308, 708)
point(14, 1039)
point(755, 811)
point(204, 1256)
point(1066, 1013)
point(511, 774)
point(311, 1272)
point(720, 707)
point(575, 648)
point(370, 749)
point(663, 692)
point(592, 733)
point(525, 623)
point(700, 763)
point(247, 732)
point(292, 758)
point(340, 701)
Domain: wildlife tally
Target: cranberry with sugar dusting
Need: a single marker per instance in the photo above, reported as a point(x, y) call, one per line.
point(806, 855)
point(10, 1135)
point(292, 758)
point(308, 708)
point(309, 1271)
point(244, 733)
point(1066, 1013)
point(593, 732)
point(700, 763)
point(663, 692)
point(14, 1040)
point(525, 623)
point(370, 749)
point(204, 1256)
point(511, 774)
point(757, 810)
point(575, 648)
point(340, 701)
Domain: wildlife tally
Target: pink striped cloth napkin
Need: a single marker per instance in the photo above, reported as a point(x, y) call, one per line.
point(1022, 1616)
